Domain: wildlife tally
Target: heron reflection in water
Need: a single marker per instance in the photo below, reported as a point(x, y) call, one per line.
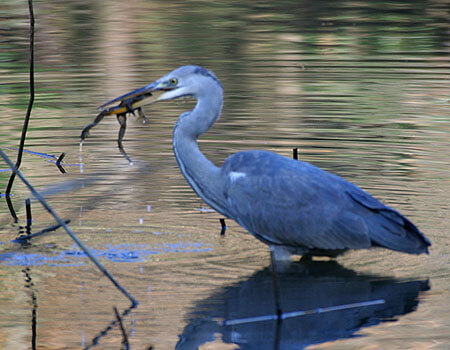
point(293, 206)
point(237, 313)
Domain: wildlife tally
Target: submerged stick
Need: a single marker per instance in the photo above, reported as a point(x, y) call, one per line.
point(28, 210)
point(60, 158)
point(28, 114)
point(29, 284)
point(125, 343)
point(58, 162)
point(224, 227)
point(68, 230)
point(110, 326)
point(25, 238)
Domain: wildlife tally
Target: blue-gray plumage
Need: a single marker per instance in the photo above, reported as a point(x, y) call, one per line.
point(291, 205)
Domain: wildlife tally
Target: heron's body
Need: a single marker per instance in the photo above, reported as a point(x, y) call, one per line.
point(303, 208)
point(285, 203)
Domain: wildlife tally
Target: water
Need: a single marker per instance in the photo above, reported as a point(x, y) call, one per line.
point(360, 88)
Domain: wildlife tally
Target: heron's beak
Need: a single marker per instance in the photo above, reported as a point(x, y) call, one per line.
point(145, 95)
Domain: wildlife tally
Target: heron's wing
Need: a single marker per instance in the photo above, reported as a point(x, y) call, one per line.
point(292, 203)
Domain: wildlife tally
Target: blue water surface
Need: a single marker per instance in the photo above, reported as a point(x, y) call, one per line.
point(118, 253)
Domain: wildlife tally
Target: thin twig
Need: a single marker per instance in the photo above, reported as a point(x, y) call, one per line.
point(27, 116)
point(43, 155)
point(10, 206)
point(125, 343)
point(302, 313)
point(68, 230)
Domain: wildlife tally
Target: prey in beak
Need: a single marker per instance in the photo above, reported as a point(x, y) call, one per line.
point(127, 104)
point(160, 90)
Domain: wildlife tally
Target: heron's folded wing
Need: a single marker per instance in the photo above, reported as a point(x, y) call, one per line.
point(298, 205)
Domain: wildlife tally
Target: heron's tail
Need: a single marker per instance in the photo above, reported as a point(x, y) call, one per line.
point(390, 229)
point(394, 231)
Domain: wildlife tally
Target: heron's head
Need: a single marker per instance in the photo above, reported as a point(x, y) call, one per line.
point(185, 81)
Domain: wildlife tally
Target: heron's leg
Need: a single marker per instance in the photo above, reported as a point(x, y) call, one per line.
point(306, 258)
point(280, 254)
point(276, 285)
point(98, 119)
point(308, 255)
point(122, 119)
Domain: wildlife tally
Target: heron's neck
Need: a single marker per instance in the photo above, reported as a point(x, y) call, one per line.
point(200, 172)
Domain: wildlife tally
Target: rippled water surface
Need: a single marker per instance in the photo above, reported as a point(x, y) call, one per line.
point(361, 88)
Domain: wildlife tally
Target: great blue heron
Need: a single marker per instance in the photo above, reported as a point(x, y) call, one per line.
point(293, 206)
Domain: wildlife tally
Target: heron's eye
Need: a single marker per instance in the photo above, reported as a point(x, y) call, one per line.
point(173, 81)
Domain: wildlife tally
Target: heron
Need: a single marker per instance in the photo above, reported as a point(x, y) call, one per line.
point(290, 205)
